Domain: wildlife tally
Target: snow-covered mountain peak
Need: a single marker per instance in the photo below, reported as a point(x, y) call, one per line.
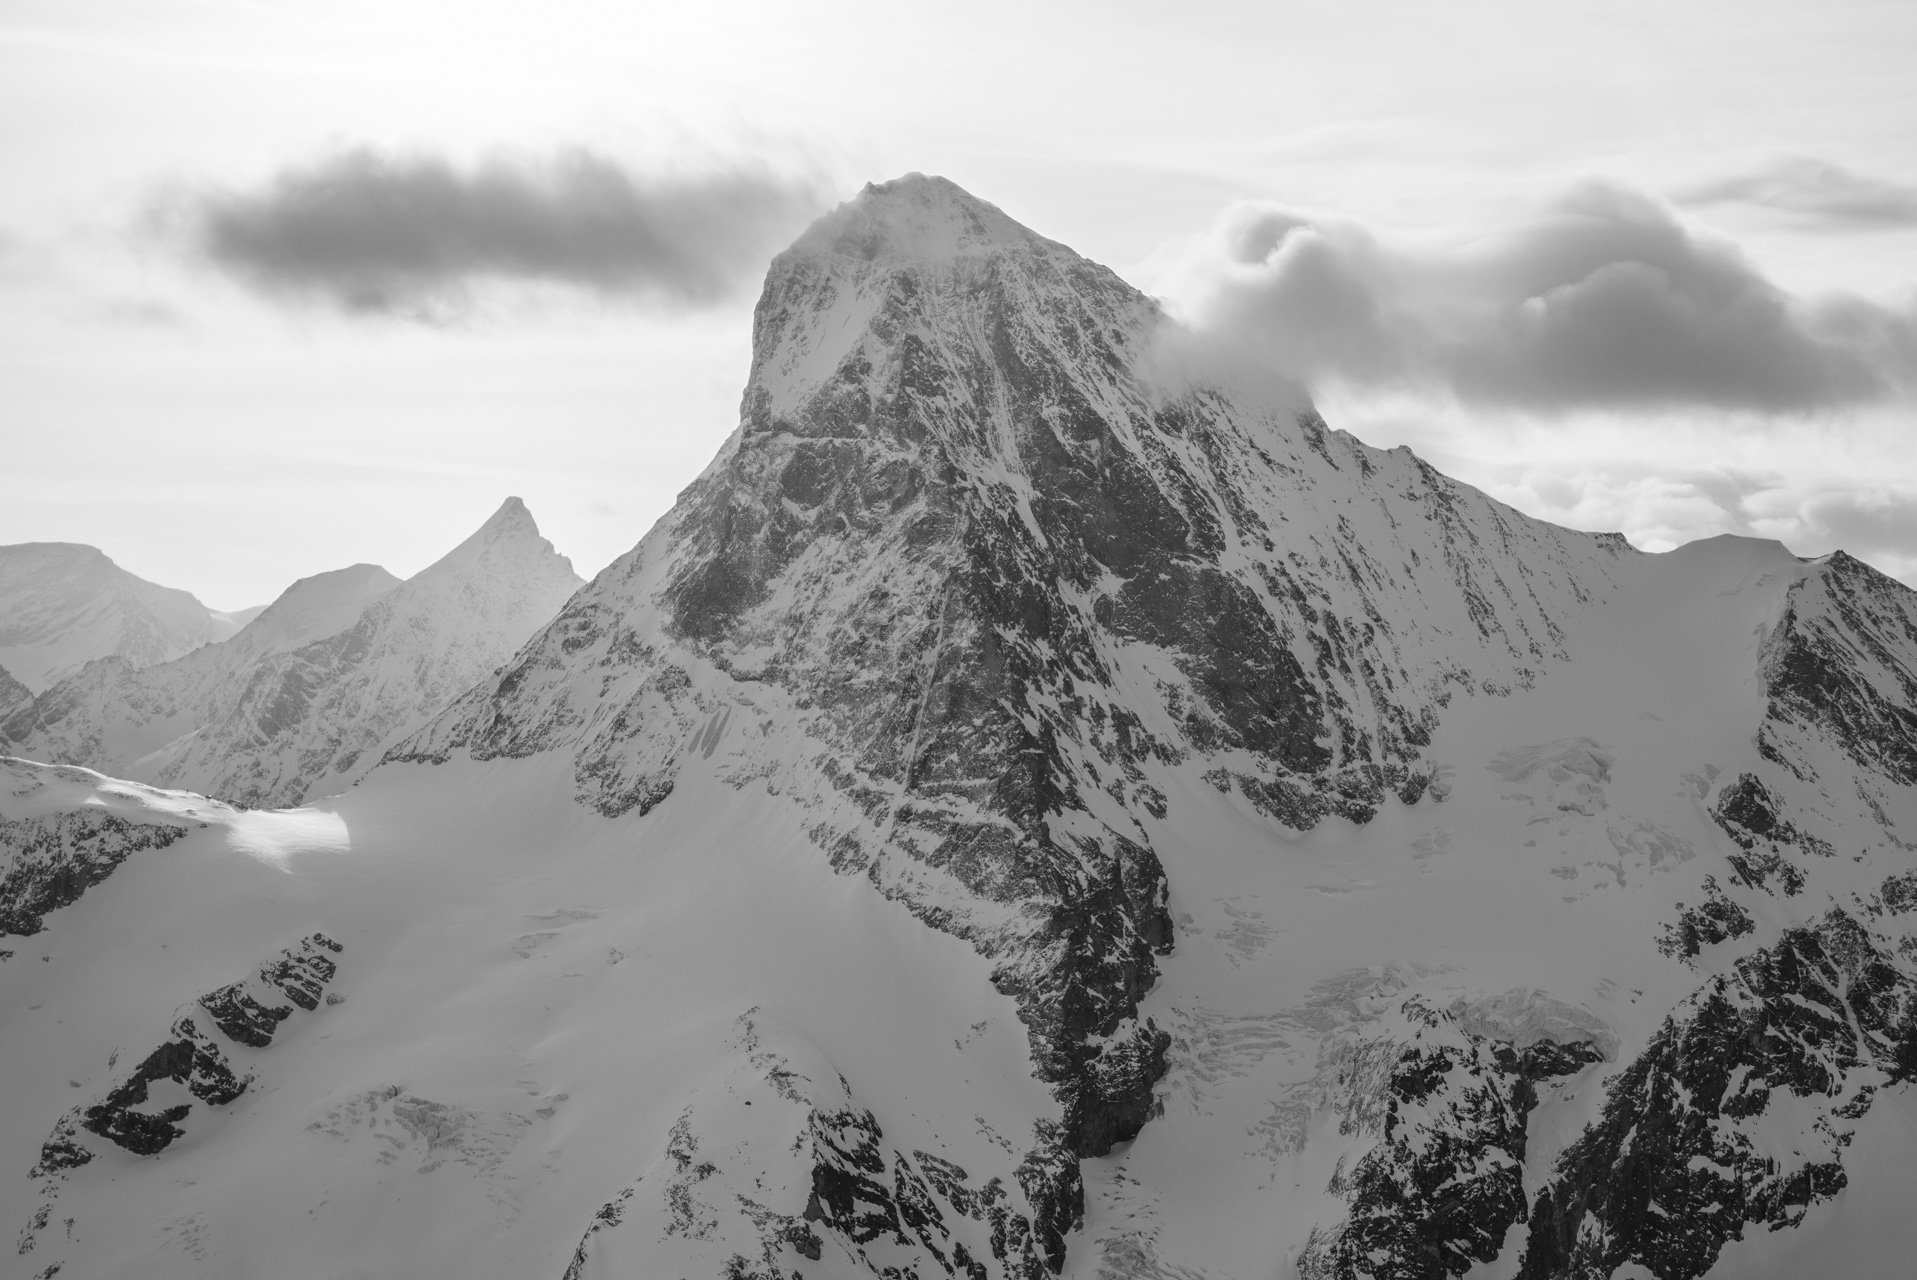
point(509, 537)
point(63, 604)
point(315, 607)
point(917, 268)
point(914, 218)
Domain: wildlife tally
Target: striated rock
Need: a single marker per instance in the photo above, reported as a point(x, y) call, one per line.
point(247, 1011)
point(1794, 1042)
point(48, 862)
point(1447, 1095)
point(191, 1058)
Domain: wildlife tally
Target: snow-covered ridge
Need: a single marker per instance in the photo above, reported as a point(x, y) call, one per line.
point(63, 605)
point(314, 608)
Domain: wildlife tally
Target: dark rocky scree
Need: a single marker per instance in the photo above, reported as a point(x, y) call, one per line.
point(1670, 1172)
point(55, 859)
point(1445, 1181)
point(948, 544)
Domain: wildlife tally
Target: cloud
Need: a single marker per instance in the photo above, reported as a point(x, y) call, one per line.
point(414, 234)
point(1600, 299)
point(1817, 191)
point(1663, 479)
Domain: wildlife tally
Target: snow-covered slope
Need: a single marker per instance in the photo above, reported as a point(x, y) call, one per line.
point(341, 662)
point(314, 608)
point(63, 605)
point(1031, 807)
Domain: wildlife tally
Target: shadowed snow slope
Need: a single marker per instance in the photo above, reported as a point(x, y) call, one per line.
point(63, 605)
point(1029, 808)
point(299, 702)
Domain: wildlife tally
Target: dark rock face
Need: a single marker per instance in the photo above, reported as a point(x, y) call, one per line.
point(1748, 813)
point(1435, 1195)
point(1716, 919)
point(1838, 662)
point(1672, 1171)
point(300, 975)
point(192, 1057)
point(51, 861)
point(869, 1197)
point(1798, 1033)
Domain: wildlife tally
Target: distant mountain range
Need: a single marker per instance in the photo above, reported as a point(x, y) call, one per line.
point(63, 605)
point(298, 702)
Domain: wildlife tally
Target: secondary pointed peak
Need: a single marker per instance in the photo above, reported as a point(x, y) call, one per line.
point(511, 512)
point(509, 534)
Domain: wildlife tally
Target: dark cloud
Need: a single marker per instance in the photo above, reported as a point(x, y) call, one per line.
point(1816, 191)
point(413, 234)
point(1600, 299)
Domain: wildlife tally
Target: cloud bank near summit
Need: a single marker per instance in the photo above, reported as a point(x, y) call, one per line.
point(413, 235)
point(1601, 299)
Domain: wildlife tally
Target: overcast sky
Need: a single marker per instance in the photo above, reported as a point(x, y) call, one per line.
point(286, 286)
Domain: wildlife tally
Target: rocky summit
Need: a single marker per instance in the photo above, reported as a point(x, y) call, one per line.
point(1040, 803)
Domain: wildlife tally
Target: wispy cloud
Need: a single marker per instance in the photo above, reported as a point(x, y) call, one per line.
point(1602, 298)
point(1815, 191)
point(416, 234)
